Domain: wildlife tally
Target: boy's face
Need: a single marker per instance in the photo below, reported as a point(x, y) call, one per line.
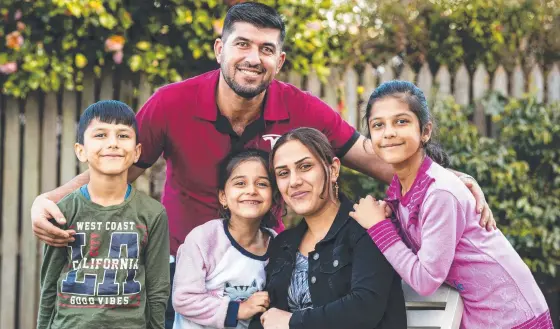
point(109, 148)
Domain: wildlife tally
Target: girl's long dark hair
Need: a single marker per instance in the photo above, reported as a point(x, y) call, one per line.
point(410, 94)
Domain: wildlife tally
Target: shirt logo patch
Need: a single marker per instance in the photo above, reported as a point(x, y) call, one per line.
point(272, 138)
point(240, 293)
point(459, 286)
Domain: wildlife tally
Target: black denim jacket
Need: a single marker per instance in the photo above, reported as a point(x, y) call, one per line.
point(352, 286)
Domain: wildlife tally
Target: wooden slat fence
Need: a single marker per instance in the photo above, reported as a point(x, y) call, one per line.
point(37, 135)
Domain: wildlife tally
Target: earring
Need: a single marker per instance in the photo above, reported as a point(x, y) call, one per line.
point(336, 189)
point(225, 206)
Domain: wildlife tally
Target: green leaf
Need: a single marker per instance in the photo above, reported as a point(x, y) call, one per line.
point(107, 20)
point(134, 63)
point(80, 61)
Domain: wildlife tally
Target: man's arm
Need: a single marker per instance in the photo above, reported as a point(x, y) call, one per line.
point(368, 163)
point(60, 192)
point(44, 208)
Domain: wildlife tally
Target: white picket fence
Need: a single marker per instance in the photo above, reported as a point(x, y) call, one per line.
point(37, 136)
point(466, 89)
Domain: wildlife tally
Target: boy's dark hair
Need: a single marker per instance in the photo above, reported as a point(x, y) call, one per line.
point(257, 14)
point(228, 165)
point(318, 144)
point(107, 111)
point(408, 93)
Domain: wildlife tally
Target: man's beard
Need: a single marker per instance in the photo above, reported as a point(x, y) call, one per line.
point(242, 91)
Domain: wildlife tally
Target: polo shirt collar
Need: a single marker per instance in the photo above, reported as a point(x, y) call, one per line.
point(275, 108)
point(206, 107)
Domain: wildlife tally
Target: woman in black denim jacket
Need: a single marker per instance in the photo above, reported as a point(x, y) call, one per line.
point(326, 272)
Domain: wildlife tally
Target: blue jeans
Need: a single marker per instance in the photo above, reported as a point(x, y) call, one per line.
point(170, 312)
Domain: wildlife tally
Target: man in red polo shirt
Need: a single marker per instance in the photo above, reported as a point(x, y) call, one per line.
point(196, 122)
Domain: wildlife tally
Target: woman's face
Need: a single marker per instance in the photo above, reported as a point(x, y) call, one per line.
point(301, 179)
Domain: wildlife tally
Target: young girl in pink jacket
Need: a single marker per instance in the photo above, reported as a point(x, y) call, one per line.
point(434, 235)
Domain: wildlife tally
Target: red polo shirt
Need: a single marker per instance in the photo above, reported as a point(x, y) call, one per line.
point(181, 120)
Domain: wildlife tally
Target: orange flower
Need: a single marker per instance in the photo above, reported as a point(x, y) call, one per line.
point(340, 107)
point(114, 43)
point(20, 26)
point(218, 26)
point(14, 40)
point(97, 6)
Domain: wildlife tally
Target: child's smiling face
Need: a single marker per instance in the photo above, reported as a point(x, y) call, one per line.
point(108, 148)
point(248, 191)
point(395, 130)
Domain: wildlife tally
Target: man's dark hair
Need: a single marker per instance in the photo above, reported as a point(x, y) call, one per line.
point(257, 14)
point(107, 111)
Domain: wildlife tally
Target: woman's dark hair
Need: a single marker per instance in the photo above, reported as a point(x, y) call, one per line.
point(228, 165)
point(317, 143)
point(408, 93)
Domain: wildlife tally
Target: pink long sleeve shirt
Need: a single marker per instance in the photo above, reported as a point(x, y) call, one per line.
point(436, 238)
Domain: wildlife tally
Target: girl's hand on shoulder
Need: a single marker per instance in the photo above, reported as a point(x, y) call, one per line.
point(368, 211)
point(257, 303)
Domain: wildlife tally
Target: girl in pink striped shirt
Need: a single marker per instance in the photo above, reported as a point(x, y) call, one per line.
point(434, 235)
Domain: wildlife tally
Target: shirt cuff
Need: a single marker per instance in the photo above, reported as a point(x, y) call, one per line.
point(231, 315)
point(384, 234)
point(143, 165)
point(348, 145)
point(296, 321)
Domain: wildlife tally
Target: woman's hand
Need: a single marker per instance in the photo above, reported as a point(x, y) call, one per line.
point(276, 319)
point(369, 212)
point(257, 303)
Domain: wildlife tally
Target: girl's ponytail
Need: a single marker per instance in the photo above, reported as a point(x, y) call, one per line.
point(436, 153)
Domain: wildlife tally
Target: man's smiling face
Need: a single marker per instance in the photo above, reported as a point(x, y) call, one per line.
point(249, 58)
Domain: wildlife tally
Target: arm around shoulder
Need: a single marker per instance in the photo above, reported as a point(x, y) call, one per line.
point(364, 160)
